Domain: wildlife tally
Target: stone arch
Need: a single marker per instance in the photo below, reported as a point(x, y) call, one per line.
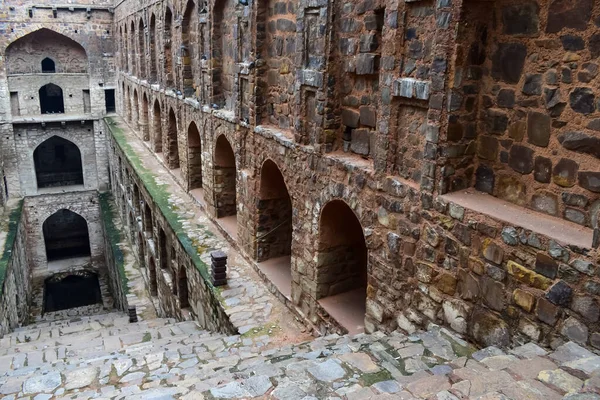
point(66, 235)
point(274, 212)
point(135, 109)
point(152, 277)
point(141, 50)
point(152, 45)
point(182, 288)
point(172, 142)
point(57, 162)
point(194, 157)
point(341, 271)
point(144, 118)
point(132, 48)
point(140, 249)
point(167, 42)
point(147, 222)
point(188, 52)
point(157, 127)
point(224, 176)
point(29, 50)
point(127, 55)
point(222, 57)
point(48, 65)
point(51, 99)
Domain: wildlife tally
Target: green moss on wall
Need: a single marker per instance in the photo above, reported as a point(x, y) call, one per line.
point(114, 238)
point(11, 226)
point(160, 195)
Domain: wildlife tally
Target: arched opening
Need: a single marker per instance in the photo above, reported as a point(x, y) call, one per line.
point(127, 55)
point(51, 99)
point(223, 61)
point(194, 157)
point(152, 40)
point(47, 49)
point(144, 119)
point(182, 288)
point(225, 178)
point(168, 67)
point(147, 219)
point(173, 145)
point(342, 266)
point(57, 162)
point(127, 102)
point(66, 236)
point(187, 48)
point(135, 112)
point(141, 50)
point(274, 228)
point(157, 127)
point(132, 48)
point(48, 66)
point(121, 48)
point(78, 289)
point(140, 249)
point(152, 277)
point(162, 249)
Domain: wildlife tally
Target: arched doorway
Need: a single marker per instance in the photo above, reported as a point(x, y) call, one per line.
point(225, 178)
point(342, 265)
point(152, 40)
point(51, 99)
point(173, 145)
point(194, 157)
point(132, 47)
point(48, 66)
point(65, 291)
point(274, 227)
point(141, 50)
point(135, 113)
point(187, 33)
point(157, 127)
point(152, 277)
point(144, 118)
point(168, 50)
point(66, 236)
point(182, 288)
point(57, 162)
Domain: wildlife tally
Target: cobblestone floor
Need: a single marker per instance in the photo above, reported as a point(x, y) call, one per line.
point(105, 357)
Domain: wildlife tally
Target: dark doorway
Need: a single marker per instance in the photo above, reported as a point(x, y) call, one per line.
point(57, 162)
point(51, 99)
point(48, 66)
point(225, 178)
point(62, 293)
point(194, 157)
point(66, 236)
point(109, 100)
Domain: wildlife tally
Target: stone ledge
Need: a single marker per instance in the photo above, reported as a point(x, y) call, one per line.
point(552, 227)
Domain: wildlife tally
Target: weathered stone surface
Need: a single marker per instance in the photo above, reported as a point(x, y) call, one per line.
point(560, 294)
point(580, 142)
point(542, 169)
point(527, 276)
point(524, 299)
point(590, 181)
point(573, 14)
point(508, 62)
point(43, 383)
point(584, 266)
point(582, 100)
point(327, 371)
point(575, 330)
point(517, 130)
point(546, 202)
point(350, 118)
point(546, 265)
point(484, 179)
point(520, 19)
point(521, 159)
point(80, 378)
point(572, 42)
point(488, 147)
point(493, 293)
point(538, 128)
point(587, 307)
point(547, 312)
point(511, 189)
point(560, 379)
point(360, 141)
point(489, 330)
point(532, 85)
point(493, 253)
point(565, 172)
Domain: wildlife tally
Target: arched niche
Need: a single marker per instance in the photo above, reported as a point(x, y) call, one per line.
point(57, 162)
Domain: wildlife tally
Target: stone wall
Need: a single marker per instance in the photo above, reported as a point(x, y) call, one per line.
point(15, 280)
point(160, 250)
point(391, 116)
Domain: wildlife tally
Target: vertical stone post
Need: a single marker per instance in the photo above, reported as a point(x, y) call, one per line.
point(218, 269)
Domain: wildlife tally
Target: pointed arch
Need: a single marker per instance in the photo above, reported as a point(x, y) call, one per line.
point(132, 49)
point(172, 141)
point(225, 178)
point(66, 235)
point(144, 118)
point(57, 162)
point(167, 42)
point(51, 99)
point(152, 45)
point(188, 40)
point(194, 157)
point(25, 54)
point(152, 277)
point(157, 127)
point(141, 49)
point(48, 65)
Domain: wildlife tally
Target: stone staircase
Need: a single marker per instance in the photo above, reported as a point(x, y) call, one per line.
point(106, 357)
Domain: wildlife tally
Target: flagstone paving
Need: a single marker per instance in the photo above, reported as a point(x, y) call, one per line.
point(106, 357)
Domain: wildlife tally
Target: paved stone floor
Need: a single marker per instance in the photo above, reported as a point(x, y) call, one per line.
point(105, 357)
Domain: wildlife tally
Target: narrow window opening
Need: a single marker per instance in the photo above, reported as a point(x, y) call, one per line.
point(109, 100)
point(51, 99)
point(48, 66)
